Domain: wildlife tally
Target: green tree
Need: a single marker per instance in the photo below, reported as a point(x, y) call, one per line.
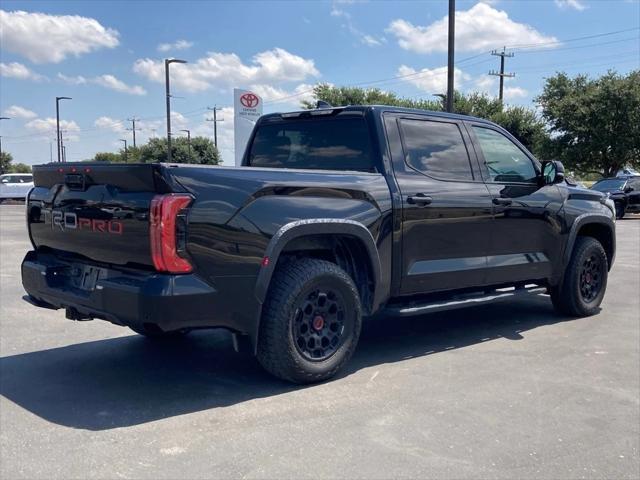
point(19, 168)
point(5, 162)
point(523, 123)
point(202, 151)
point(594, 123)
point(107, 157)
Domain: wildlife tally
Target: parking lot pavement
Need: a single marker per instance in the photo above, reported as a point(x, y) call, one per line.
point(507, 390)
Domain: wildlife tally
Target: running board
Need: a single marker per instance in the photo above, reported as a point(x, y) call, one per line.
point(463, 300)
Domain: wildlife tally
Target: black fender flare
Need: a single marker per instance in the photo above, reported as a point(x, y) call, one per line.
point(585, 219)
point(315, 226)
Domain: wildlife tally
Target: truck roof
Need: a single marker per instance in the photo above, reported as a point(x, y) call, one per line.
point(387, 108)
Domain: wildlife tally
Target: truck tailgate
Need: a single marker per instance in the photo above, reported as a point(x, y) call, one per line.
point(97, 211)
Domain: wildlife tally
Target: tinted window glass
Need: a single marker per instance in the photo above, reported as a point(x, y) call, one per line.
point(609, 185)
point(436, 148)
point(327, 144)
point(504, 160)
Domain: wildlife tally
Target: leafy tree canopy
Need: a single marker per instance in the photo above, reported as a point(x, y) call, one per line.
point(594, 123)
point(523, 123)
point(202, 151)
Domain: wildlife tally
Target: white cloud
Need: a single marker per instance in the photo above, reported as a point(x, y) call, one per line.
point(48, 125)
point(432, 80)
point(44, 38)
point(178, 45)
point(362, 37)
point(511, 93)
point(111, 82)
point(106, 81)
point(108, 123)
point(226, 70)
point(485, 83)
point(16, 111)
point(480, 28)
point(284, 98)
point(575, 4)
point(77, 80)
point(19, 71)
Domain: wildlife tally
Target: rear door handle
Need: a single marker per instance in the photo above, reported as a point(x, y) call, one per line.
point(502, 201)
point(420, 199)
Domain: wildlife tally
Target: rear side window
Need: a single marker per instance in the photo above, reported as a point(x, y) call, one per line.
point(16, 179)
point(436, 149)
point(321, 144)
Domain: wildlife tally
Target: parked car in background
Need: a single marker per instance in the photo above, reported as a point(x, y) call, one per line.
point(628, 172)
point(624, 191)
point(15, 186)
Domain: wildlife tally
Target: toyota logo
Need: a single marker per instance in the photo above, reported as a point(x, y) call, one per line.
point(250, 100)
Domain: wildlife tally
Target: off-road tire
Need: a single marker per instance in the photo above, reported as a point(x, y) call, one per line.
point(567, 297)
point(294, 282)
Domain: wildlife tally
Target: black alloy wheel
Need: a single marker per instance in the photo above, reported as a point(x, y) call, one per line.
point(318, 324)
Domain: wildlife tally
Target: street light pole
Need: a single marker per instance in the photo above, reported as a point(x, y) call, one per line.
point(167, 62)
point(451, 56)
point(125, 149)
point(188, 141)
point(58, 122)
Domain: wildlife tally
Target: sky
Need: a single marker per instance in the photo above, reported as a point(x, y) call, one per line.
point(108, 56)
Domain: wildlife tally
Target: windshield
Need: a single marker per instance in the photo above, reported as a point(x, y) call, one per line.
point(608, 185)
point(323, 144)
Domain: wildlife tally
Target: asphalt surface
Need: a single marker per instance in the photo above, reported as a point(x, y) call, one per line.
point(506, 390)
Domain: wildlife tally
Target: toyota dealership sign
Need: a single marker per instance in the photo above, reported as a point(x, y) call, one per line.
point(247, 108)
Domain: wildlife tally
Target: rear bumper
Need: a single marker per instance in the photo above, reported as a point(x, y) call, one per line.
point(169, 302)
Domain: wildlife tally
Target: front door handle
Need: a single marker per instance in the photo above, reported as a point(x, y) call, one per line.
point(419, 199)
point(505, 202)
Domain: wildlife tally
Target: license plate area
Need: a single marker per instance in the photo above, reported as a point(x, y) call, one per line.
point(85, 277)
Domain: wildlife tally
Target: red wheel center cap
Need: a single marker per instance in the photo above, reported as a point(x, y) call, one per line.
point(318, 322)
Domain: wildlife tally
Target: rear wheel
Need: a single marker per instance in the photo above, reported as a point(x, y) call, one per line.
point(311, 321)
point(584, 282)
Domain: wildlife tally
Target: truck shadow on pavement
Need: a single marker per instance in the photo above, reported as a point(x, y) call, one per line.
point(127, 381)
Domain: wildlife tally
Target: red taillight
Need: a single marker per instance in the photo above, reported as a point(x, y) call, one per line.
point(163, 232)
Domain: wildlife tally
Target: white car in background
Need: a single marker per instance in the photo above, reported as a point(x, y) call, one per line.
point(15, 186)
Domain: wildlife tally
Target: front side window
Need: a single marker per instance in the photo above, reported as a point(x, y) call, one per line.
point(436, 149)
point(505, 162)
point(323, 144)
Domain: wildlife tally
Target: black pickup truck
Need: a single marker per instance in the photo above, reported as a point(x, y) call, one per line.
point(336, 215)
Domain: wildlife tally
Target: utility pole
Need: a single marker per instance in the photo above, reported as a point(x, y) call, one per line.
point(125, 149)
point(501, 74)
point(58, 123)
point(63, 148)
point(215, 123)
point(451, 56)
point(133, 129)
point(188, 141)
point(167, 62)
point(2, 118)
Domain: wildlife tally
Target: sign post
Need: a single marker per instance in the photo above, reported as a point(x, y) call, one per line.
point(247, 108)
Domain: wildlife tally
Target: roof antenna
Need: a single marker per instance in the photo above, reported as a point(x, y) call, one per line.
point(323, 104)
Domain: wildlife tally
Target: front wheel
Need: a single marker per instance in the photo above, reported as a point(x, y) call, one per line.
point(584, 282)
point(619, 210)
point(311, 321)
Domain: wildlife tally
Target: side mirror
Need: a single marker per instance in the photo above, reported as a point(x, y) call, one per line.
point(629, 190)
point(552, 172)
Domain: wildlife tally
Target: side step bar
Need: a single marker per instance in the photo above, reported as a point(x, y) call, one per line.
point(463, 300)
